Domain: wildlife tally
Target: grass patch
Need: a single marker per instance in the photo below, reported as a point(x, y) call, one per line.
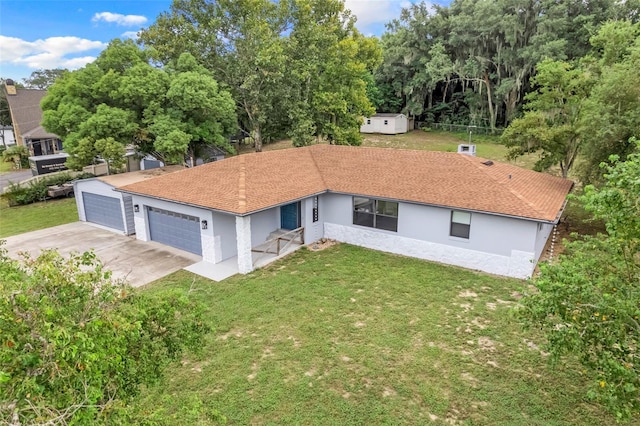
point(354, 336)
point(20, 219)
point(7, 166)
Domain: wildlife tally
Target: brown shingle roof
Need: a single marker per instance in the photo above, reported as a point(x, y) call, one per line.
point(253, 182)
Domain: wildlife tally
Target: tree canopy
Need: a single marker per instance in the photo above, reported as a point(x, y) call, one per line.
point(121, 100)
point(587, 302)
point(296, 67)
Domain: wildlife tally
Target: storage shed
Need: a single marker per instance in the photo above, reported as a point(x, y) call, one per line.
point(98, 202)
point(390, 124)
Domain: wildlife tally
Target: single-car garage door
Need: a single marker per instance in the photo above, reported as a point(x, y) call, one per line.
point(175, 229)
point(105, 211)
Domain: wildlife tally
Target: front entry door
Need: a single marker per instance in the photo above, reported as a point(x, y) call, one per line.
point(290, 216)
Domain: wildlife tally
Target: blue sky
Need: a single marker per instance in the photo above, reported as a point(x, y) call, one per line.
point(36, 34)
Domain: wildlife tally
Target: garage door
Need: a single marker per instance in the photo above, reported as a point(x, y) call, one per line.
point(105, 211)
point(175, 229)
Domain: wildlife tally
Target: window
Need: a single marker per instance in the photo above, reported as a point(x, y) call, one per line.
point(386, 122)
point(368, 121)
point(460, 224)
point(373, 213)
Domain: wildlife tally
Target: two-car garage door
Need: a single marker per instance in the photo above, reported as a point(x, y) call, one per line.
point(175, 229)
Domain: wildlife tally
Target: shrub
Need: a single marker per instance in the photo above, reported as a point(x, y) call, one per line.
point(36, 191)
point(77, 345)
point(17, 154)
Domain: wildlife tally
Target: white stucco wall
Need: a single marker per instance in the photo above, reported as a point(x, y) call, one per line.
point(264, 223)
point(543, 232)
point(313, 231)
point(96, 186)
point(206, 235)
point(394, 125)
point(496, 244)
point(224, 230)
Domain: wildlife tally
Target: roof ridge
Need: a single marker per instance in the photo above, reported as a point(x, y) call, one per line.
point(242, 185)
point(515, 193)
point(315, 163)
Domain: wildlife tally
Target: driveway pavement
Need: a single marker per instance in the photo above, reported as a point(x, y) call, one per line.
point(136, 261)
point(14, 177)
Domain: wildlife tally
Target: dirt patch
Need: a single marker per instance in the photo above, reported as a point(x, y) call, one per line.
point(322, 244)
point(467, 293)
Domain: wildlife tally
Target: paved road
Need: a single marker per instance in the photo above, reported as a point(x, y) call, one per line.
point(14, 177)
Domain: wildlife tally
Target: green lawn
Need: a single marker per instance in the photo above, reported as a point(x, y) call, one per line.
point(20, 219)
point(353, 336)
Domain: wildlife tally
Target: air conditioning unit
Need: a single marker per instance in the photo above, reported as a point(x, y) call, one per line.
point(467, 149)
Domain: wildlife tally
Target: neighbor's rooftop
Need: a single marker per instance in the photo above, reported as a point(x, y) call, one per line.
point(123, 179)
point(253, 182)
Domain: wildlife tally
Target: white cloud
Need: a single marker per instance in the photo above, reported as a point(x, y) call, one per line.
point(119, 19)
point(374, 12)
point(129, 34)
point(52, 52)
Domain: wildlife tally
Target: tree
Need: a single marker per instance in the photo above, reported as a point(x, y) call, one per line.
point(587, 301)
point(550, 125)
point(122, 100)
point(43, 78)
point(611, 115)
point(77, 345)
point(239, 41)
point(296, 67)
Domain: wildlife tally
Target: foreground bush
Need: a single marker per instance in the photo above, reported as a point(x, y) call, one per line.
point(76, 345)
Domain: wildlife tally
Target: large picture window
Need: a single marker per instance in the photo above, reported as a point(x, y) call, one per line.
point(460, 224)
point(375, 213)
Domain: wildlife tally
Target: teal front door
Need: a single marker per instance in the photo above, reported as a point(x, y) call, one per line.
point(290, 216)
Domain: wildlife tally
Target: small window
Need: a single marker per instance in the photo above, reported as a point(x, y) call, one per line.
point(373, 213)
point(368, 121)
point(386, 122)
point(460, 224)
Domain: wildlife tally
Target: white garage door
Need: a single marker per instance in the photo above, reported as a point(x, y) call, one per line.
point(105, 211)
point(175, 229)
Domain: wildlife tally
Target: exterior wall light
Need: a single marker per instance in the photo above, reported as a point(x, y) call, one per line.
point(136, 208)
point(204, 224)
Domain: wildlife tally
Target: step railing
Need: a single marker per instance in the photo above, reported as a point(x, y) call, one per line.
point(275, 246)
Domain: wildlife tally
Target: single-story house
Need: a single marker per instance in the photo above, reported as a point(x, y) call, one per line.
point(99, 203)
point(446, 207)
point(390, 124)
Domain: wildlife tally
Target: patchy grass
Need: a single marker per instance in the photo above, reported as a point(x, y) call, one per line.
point(354, 336)
point(20, 219)
point(6, 167)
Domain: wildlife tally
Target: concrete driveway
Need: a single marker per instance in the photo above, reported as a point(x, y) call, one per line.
point(136, 261)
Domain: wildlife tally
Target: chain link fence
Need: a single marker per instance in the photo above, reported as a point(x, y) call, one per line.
point(459, 128)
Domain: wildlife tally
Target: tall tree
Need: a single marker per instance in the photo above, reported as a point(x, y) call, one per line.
point(239, 41)
point(587, 301)
point(611, 115)
point(121, 100)
point(330, 63)
point(43, 78)
point(550, 126)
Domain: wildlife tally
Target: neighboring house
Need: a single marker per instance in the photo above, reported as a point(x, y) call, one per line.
point(98, 203)
point(447, 207)
point(7, 137)
point(390, 124)
point(26, 115)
